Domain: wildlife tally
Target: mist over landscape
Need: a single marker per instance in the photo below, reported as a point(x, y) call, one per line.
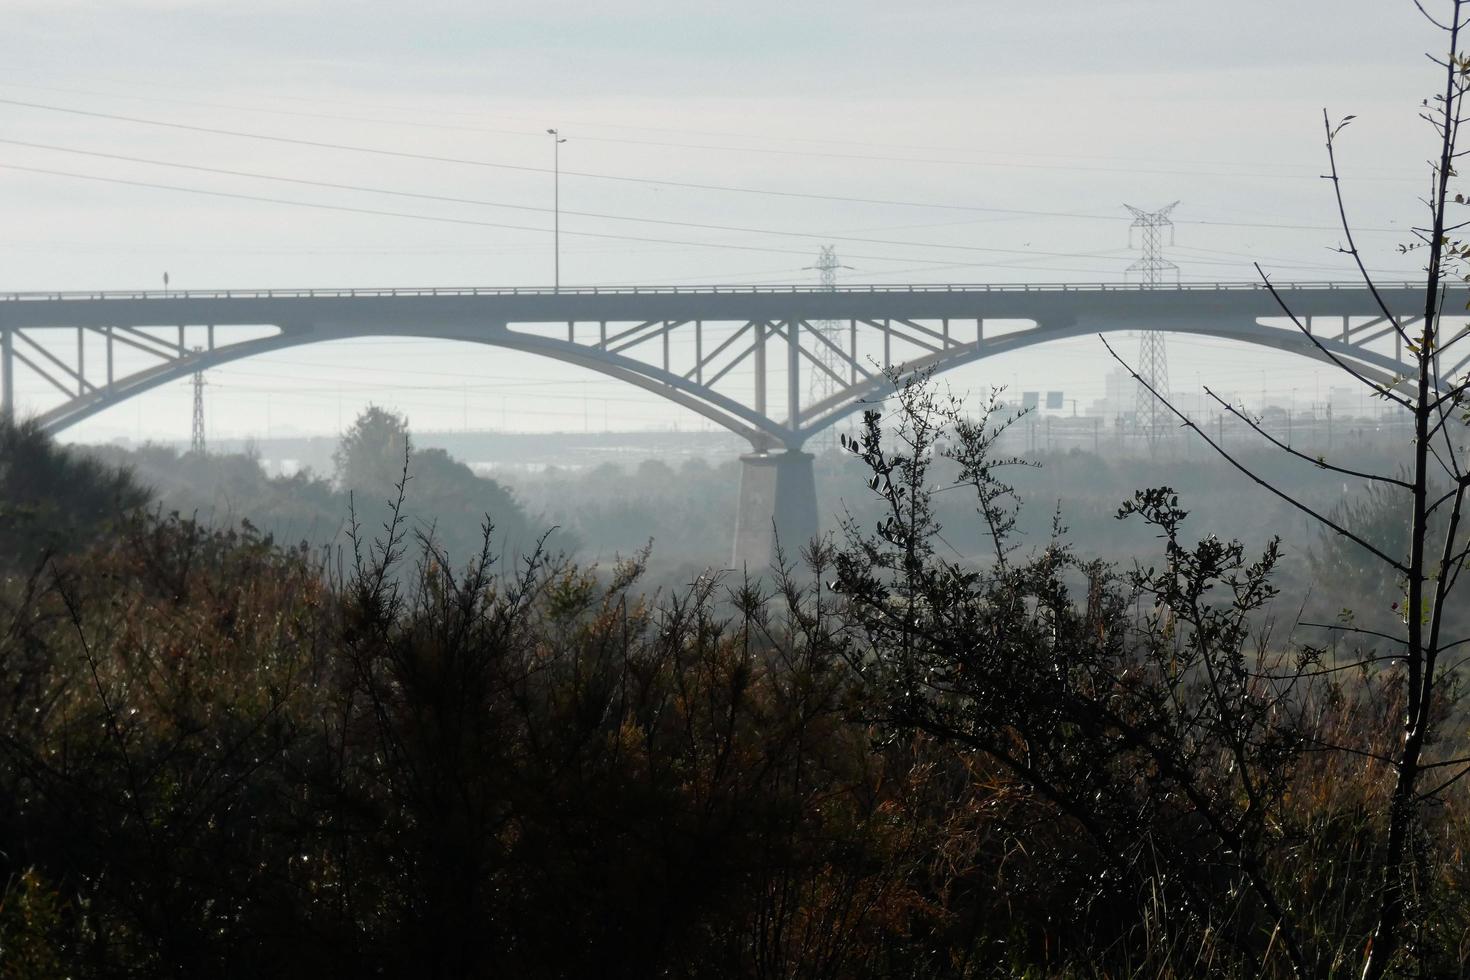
point(768, 492)
point(677, 495)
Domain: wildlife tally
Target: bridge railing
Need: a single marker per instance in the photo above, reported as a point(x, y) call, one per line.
point(1023, 287)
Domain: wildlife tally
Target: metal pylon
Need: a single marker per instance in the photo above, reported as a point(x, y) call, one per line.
point(821, 384)
point(1153, 359)
point(196, 442)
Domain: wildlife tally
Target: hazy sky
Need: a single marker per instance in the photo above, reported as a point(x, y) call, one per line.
point(1069, 108)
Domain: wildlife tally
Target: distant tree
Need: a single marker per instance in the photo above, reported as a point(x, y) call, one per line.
point(445, 500)
point(53, 499)
point(452, 502)
point(655, 472)
point(371, 455)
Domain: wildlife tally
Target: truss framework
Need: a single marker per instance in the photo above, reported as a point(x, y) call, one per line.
point(752, 376)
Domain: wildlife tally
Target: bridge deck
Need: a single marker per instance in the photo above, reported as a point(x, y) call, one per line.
point(1110, 305)
point(711, 290)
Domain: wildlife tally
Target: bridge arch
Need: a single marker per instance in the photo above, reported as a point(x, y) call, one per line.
point(1371, 364)
point(760, 431)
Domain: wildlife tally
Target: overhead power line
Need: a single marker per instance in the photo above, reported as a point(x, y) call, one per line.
point(1182, 168)
point(446, 199)
point(1195, 167)
point(583, 124)
point(471, 222)
point(650, 181)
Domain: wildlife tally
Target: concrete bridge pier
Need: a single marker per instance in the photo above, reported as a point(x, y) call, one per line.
point(778, 501)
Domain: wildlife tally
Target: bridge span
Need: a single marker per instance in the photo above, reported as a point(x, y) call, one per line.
point(742, 356)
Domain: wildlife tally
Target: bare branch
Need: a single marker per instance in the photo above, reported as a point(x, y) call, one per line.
point(1342, 628)
point(1306, 332)
point(1321, 746)
point(1429, 17)
point(1296, 675)
point(1347, 228)
point(1455, 393)
point(1258, 480)
point(1439, 501)
point(1452, 474)
point(1316, 461)
point(1431, 794)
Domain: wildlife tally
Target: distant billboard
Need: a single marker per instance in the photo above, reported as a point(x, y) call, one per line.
point(1053, 399)
point(1030, 399)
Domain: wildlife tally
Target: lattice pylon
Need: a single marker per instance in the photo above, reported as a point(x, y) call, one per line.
point(196, 442)
point(1150, 415)
point(820, 384)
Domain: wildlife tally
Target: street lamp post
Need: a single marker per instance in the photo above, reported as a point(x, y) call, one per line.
point(556, 142)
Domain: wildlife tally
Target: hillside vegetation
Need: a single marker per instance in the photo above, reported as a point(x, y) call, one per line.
point(222, 756)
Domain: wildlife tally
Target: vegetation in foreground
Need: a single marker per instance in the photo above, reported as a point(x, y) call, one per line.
point(224, 757)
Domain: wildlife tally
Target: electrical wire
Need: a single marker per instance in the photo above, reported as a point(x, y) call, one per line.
point(446, 199)
point(464, 161)
point(358, 188)
point(442, 219)
point(1194, 165)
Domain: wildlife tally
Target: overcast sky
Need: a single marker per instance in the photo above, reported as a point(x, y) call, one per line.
point(947, 108)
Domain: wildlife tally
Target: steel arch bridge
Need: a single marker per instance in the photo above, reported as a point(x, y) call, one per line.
point(740, 356)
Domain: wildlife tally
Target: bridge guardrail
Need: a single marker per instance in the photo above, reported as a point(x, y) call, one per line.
point(742, 290)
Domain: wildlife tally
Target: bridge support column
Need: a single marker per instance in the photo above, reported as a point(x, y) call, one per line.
point(7, 373)
point(778, 501)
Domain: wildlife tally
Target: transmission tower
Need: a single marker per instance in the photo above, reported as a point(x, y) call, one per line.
point(196, 444)
point(820, 384)
point(1153, 359)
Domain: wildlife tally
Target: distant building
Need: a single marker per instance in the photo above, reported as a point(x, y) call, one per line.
point(1352, 402)
point(1119, 396)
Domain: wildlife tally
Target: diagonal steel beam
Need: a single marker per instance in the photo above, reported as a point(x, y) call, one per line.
point(889, 331)
point(846, 358)
point(662, 331)
point(1348, 329)
point(1446, 345)
point(65, 389)
point(123, 339)
point(170, 351)
point(1382, 332)
point(943, 338)
point(821, 364)
point(614, 338)
point(705, 362)
point(81, 382)
point(734, 363)
point(1457, 366)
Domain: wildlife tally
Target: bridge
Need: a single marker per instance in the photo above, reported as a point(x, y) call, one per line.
point(742, 356)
